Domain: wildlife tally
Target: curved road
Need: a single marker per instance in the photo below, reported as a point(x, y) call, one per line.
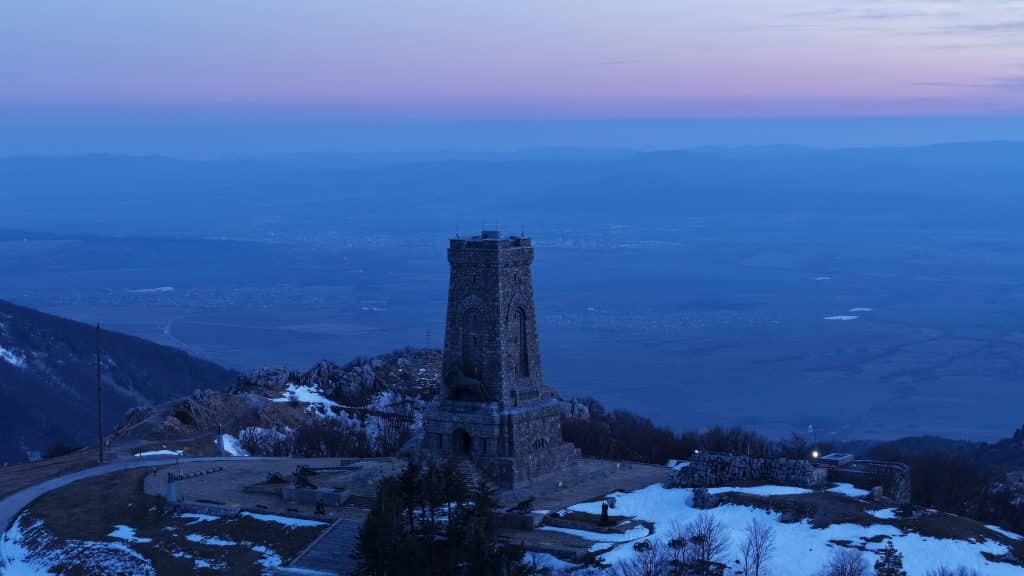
point(13, 504)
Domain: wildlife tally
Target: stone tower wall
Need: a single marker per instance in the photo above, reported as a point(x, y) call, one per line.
point(494, 408)
point(491, 325)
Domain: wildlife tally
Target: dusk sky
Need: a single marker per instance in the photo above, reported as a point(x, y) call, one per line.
point(461, 60)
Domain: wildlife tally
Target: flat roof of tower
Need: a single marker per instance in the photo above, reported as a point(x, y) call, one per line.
point(488, 237)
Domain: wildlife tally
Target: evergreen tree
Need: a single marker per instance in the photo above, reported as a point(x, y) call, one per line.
point(427, 522)
point(890, 563)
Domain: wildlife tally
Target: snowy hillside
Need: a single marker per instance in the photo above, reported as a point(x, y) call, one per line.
point(801, 548)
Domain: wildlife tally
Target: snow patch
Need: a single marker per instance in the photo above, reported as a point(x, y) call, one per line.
point(270, 559)
point(161, 453)
point(12, 358)
point(284, 520)
point(541, 561)
point(209, 540)
point(842, 317)
point(232, 447)
point(127, 533)
point(860, 309)
point(1007, 533)
point(633, 533)
point(678, 464)
point(849, 490)
point(766, 490)
point(884, 514)
point(197, 518)
point(306, 395)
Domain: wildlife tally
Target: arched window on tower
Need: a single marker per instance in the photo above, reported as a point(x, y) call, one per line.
point(524, 346)
point(472, 361)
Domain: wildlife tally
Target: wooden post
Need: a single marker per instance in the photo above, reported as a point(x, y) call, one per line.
point(99, 394)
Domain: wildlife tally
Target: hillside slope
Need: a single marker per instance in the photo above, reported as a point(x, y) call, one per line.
point(48, 379)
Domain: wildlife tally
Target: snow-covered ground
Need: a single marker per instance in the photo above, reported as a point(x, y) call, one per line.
point(849, 490)
point(28, 548)
point(842, 317)
point(161, 453)
point(634, 533)
point(11, 357)
point(98, 557)
point(1007, 533)
point(209, 540)
point(306, 395)
point(884, 514)
point(542, 560)
point(766, 490)
point(127, 533)
point(197, 518)
point(284, 520)
point(269, 559)
point(800, 548)
point(232, 447)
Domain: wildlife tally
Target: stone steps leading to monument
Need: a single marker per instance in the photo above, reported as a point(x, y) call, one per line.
point(331, 553)
point(475, 479)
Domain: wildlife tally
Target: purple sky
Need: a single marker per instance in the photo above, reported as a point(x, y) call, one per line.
point(528, 59)
point(447, 58)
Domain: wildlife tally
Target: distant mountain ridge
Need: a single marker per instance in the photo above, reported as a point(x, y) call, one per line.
point(48, 379)
point(157, 195)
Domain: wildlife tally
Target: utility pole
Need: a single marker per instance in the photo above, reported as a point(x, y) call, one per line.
point(99, 394)
point(428, 337)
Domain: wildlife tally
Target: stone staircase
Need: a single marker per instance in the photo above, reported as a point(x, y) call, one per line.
point(469, 472)
point(475, 479)
point(331, 553)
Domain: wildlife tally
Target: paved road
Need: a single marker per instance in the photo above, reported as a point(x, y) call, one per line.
point(13, 504)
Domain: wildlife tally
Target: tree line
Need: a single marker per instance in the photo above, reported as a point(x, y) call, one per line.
point(430, 521)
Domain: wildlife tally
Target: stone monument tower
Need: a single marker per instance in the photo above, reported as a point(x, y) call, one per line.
point(494, 408)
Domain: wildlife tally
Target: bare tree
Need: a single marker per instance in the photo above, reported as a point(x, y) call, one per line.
point(961, 571)
point(707, 541)
point(651, 559)
point(845, 562)
point(678, 551)
point(757, 547)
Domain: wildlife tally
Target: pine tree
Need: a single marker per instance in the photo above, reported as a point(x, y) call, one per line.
point(890, 563)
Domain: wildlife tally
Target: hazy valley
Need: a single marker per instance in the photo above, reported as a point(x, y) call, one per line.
point(786, 288)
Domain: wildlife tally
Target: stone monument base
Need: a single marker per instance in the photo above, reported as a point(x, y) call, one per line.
point(512, 447)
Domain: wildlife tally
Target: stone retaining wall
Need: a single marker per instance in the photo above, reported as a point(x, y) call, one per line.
point(714, 469)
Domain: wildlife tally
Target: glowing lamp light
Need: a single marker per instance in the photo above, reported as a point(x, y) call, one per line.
point(814, 454)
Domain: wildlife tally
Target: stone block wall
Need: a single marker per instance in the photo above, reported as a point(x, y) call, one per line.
point(713, 469)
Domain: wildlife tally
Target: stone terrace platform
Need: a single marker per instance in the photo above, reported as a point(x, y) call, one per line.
point(236, 484)
point(596, 479)
point(593, 479)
